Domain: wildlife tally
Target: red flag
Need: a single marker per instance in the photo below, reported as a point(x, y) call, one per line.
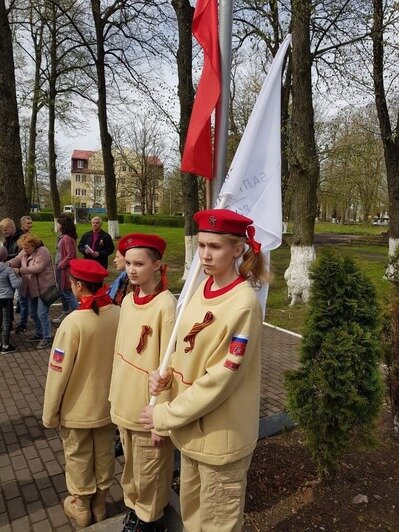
point(197, 155)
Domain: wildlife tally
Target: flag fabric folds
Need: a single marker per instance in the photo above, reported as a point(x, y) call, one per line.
point(253, 183)
point(197, 155)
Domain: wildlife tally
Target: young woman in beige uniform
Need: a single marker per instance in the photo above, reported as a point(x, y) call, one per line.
point(214, 377)
point(76, 394)
point(146, 322)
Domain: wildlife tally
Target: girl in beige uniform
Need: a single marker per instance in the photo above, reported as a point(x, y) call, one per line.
point(215, 373)
point(146, 322)
point(76, 394)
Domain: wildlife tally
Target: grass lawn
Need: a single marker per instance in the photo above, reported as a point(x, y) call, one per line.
point(372, 259)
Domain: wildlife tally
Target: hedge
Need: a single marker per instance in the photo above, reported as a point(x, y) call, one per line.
point(127, 218)
point(42, 216)
point(164, 221)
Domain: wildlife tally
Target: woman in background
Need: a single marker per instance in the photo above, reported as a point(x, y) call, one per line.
point(35, 265)
point(121, 286)
point(66, 251)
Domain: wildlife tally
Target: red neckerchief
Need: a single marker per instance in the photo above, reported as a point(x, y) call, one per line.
point(144, 299)
point(209, 294)
point(100, 297)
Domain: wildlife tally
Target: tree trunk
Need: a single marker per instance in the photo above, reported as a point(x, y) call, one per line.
point(106, 139)
point(304, 162)
point(13, 201)
point(184, 13)
point(389, 137)
point(52, 155)
point(30, 173)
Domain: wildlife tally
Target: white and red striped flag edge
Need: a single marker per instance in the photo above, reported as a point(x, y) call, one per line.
point(253, 183)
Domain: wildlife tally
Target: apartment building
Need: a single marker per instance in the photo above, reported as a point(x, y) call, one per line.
point(139, 181)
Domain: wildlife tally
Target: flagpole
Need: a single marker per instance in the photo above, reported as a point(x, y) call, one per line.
point(222, 109)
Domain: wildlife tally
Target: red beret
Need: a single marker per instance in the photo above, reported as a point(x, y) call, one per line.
point(222, 221)
point(141, 240)
point(88, 270)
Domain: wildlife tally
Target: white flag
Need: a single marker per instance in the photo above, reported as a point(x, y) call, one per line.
point(253, 183)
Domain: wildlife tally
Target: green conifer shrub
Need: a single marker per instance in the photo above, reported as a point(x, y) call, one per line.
point(336, 394)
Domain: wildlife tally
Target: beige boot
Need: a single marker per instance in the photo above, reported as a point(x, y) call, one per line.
point(78, 507)
point(98, 505)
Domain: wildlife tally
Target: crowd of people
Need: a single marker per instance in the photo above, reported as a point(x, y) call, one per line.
point(104, 366)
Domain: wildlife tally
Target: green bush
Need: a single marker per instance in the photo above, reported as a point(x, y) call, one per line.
point(336, 394)
point(42, 216)
point(164, 221)
point(104, 217)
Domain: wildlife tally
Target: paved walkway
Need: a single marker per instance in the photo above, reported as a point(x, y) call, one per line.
point(31, 457)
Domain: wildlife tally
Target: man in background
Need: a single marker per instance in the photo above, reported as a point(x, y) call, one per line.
point(26, 224)
point(96, 244)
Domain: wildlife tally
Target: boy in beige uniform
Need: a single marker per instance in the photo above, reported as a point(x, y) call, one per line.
point(215, 377)
point(146, 322)
point(76, 394)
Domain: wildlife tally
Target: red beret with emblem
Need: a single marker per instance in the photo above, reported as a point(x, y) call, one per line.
point(87, 270)
point(141, 240)
point(222, 221)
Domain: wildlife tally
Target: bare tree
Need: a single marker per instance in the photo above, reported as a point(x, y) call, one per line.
point(389, 128)
point(139, 146)
point(184, 14)
point(304, 158)
point(117, 37)
point(13, 201)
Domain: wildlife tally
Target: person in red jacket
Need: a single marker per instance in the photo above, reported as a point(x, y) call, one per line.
point(66, 251)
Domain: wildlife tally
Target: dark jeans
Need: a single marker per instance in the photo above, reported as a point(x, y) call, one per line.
point(6, 307)
point(69, 301)
point(23, 310)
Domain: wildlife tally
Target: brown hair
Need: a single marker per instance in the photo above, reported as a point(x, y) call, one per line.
point(28, 238)
point(253, 266)
point(93, 288)
point(163, 282)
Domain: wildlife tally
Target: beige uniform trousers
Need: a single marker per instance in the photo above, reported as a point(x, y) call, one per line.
point(89, 458)
point(147, 475)
point(212, 497)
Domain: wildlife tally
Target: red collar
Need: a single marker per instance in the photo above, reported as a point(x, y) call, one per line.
point(209, 294)
point(144, 299)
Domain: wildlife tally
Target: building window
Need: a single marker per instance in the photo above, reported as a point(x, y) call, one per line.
point(83, 192)
point(83, 178)
point(83, 204)
point(124, 168)
point(78, 191)
point(80, 164)
point(77, 178)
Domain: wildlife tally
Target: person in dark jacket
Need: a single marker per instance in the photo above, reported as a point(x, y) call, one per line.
point(96, 244)
point(9, 281)
point(11, 235)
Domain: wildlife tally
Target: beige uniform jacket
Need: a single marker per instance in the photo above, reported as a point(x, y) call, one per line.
point(143, 335)
point(80, 367)
point(214, 414)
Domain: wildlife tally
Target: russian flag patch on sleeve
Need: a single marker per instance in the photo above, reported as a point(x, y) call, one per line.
point(238, 345)
point(58, 355)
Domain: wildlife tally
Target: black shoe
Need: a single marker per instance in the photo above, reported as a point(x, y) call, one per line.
point(118, 448)
point(20, 328)
point(153, 526)
point(34, 338)
point(130, 521)
point(8, 349)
